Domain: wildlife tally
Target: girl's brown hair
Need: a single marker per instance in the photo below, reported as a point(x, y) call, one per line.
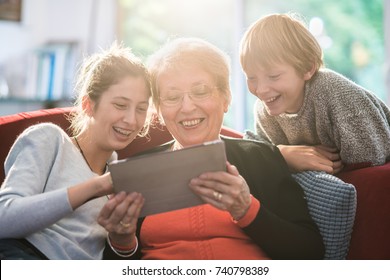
point(100, 71)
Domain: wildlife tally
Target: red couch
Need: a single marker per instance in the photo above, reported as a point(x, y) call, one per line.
point(371, 232)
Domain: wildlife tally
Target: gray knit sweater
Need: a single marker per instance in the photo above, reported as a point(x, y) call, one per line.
point(336, 112)
point(42, 164)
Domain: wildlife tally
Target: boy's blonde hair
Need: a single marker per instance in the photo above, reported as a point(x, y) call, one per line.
point(280, 38)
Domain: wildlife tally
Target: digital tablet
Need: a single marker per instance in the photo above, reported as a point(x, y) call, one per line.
point(162, 178)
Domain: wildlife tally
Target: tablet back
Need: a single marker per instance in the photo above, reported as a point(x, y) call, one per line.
point(163, 178)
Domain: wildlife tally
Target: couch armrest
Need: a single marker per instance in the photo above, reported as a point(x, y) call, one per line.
point(12, 125)
point(371, 232)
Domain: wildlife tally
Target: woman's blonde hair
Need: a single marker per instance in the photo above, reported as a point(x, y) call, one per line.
point(280, 38)
point(100, 71)
point(181, 52)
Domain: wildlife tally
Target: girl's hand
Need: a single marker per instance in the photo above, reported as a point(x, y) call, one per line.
point(119, 217)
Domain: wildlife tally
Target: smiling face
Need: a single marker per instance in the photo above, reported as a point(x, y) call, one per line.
point(280, 88)
point(120, 113)
point(279, 54)
point(191, 122)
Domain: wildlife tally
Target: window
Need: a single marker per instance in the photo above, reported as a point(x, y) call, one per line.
point(350, 32)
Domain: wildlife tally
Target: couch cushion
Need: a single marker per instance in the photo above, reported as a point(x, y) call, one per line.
point(12, 125)
point(371, 232)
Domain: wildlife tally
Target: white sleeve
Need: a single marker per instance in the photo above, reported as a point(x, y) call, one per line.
point(25, 207)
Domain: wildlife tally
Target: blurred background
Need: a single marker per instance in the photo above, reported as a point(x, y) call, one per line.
point(42, 41)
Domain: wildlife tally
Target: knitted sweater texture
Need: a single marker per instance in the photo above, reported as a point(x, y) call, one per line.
point(336, 112)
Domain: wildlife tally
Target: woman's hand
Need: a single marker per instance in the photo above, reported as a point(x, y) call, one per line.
point(119, 217)
point(316, 158)
point(224, 190)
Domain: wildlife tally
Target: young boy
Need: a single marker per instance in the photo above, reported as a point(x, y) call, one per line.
point(319, 119)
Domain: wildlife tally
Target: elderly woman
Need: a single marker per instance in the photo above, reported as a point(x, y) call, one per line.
point(254, 210)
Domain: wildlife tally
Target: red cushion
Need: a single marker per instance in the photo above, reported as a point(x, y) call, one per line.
point(371, 231)
point(11, 126)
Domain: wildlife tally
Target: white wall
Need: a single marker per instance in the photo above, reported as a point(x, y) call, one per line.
point(91, 22)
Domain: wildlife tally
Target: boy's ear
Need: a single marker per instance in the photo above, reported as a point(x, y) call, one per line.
point(87, 105)
point(307, 76)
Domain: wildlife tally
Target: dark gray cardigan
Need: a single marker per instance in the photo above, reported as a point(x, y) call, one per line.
point(283, 227)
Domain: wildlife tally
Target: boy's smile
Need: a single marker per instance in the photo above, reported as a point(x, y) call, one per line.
point(281, 89)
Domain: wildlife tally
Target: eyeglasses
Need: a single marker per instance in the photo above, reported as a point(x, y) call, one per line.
point(197, 93)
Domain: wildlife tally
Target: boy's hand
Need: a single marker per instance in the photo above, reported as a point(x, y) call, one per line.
point(315, 158)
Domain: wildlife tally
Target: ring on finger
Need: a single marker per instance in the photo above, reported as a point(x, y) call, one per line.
point(217, 195)
point(125, 225)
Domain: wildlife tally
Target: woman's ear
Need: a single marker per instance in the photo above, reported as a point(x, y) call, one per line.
point(87, 105)
point(226, 109)
point(307, 76)
point(228, 99)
